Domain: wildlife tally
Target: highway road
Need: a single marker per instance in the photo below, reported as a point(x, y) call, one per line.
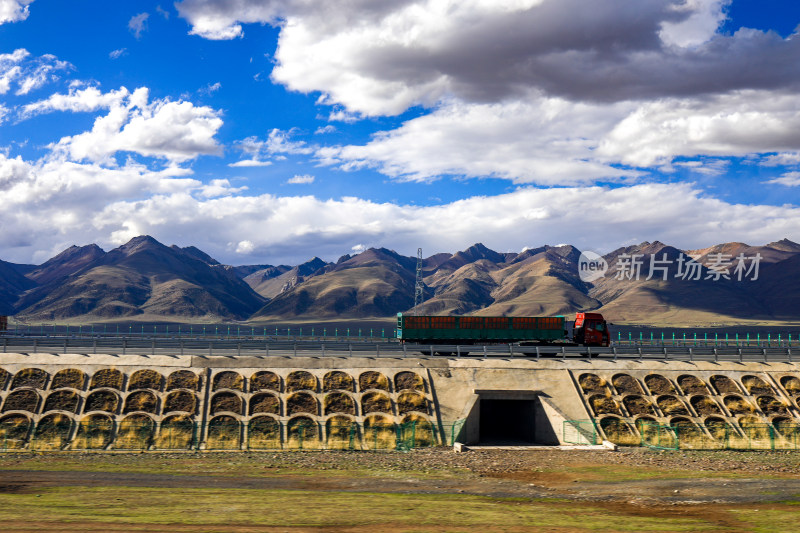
point(381, 348)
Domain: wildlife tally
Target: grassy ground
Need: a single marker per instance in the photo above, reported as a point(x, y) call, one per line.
point(413, 512)
point(432, 491)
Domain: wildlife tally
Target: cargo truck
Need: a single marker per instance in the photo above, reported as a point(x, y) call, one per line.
point(590, 329)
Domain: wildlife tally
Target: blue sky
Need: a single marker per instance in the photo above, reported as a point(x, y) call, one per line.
point(272, 131)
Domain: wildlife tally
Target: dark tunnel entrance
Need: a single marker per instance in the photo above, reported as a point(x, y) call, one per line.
point(513, 418)
point(508, 421)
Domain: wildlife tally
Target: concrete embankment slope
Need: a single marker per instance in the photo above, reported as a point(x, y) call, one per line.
point(78, 401)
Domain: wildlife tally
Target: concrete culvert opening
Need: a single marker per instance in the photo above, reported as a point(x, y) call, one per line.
point(514, 418)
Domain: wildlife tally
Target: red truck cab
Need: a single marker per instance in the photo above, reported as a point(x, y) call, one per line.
point(591, 329)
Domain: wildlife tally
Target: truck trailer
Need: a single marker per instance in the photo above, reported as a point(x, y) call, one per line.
point(591, 329)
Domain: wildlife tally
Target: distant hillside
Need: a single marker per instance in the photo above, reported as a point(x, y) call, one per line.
point(272, 281)
point(141, 278)
point(145, 280)
point(375, 283)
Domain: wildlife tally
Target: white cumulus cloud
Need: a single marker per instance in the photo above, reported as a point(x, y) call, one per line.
point(14, 10)
point(732, 124)
point(380, 58)
point(175, 131)
point(77, 100)
point(530, 142)
point(28, 73)
point(138, 24)
point(789, 179)
point(301, 179)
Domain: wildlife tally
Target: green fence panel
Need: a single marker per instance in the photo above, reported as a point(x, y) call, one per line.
point(579, 432)
point(661, 437)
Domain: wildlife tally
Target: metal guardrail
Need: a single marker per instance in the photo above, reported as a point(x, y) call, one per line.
point(338, 348)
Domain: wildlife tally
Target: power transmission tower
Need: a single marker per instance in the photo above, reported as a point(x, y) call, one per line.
point(418, 287)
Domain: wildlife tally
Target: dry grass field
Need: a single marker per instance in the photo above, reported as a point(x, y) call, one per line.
point(424, 490)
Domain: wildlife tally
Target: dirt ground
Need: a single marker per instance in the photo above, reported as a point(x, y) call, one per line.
point(633, 475)
point(637, 482)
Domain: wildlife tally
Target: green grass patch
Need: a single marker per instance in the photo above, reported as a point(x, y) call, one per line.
point(288, 464)
point(277, 508)
point(768, 520)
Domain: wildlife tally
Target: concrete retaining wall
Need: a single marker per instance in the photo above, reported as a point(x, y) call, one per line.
point(538, 396)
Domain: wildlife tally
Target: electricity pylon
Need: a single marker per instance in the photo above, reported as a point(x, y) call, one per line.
point(418, 286)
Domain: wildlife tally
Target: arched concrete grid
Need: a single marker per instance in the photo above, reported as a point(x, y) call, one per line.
point(123, 389)
point(748, 386)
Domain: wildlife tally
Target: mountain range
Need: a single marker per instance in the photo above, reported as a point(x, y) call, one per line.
point(648, 283)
